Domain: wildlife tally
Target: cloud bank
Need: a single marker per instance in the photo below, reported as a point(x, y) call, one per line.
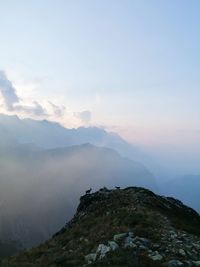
point(12, 103)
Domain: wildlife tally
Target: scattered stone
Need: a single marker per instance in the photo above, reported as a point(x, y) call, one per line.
point(142, 247)
point(119, 236)
point(113, 245)
point(129, 242)
point(90, 258)
point(175, 263)
point(182, 252)
point(157, 257)
point(145, 241)
point(102, 250)
point(197, 246)
point(156, 246)
point(131, 234)
point(196, 263)
point(130, 245)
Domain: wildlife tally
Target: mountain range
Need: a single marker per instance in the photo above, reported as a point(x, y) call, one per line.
point(40, 186)
point(45, 167)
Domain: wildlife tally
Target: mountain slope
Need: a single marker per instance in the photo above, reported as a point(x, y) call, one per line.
point(130, 227)
point(40, 188)
point(186, 188)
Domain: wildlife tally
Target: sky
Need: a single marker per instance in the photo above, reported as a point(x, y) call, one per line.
point(129, 66)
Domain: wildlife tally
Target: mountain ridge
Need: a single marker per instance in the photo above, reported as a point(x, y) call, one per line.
point(48, 135)
point(121, 227)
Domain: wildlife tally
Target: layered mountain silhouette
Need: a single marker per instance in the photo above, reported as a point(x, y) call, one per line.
point(48, 135)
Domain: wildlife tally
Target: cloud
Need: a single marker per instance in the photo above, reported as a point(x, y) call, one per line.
point(12, 102)
point(35, 109)
point(8, 92)
point(57, 110)
point(84, 116)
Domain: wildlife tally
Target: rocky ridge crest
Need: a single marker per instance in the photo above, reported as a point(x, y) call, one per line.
point(122, 227)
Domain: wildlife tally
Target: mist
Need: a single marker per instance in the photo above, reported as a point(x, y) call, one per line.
point(45, 168)
point(41, 189)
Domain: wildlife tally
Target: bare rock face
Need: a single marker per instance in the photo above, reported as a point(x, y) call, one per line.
point(122, 227)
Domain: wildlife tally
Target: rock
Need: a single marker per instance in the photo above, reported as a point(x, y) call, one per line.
point(189, 263)
point(102, 250)
point(130, 245)
point(119, 236)
point(131, 234)
point(145, 241)
point(113, 245)
point(156, 246)
point(156, 256)
point(182, 252)
point(175, 263)
point(196, 263)
point(129, 242)
point(142, 247)
point(90, 258)
point(197, 246)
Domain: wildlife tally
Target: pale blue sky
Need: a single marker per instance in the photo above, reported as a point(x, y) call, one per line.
point(134, 64)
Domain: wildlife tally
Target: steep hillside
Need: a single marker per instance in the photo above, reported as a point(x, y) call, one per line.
point(186, 188)
point(40, 188)
point(129, 227)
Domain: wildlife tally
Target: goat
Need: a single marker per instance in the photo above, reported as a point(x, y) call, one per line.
point(88, 191)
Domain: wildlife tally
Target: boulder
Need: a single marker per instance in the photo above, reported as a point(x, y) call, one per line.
point(113, 245)
point(102, 250)
point(175, 263)
point(119, 236)
point(90, 258)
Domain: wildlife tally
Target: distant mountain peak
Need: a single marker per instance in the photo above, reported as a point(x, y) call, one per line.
point(47, 134)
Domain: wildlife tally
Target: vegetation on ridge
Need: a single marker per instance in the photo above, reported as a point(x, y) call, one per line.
point(162, 222)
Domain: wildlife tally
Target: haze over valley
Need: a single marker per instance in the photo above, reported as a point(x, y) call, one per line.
point(99, 119)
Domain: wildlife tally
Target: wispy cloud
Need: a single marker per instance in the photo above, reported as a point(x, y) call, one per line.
point(84, 116)
point(8, 92)
point(12, 101)
point(57, 110)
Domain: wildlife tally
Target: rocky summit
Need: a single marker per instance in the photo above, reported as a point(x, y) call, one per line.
point(121, 227)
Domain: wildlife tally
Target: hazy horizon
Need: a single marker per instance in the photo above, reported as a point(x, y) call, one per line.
point(131, 67)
